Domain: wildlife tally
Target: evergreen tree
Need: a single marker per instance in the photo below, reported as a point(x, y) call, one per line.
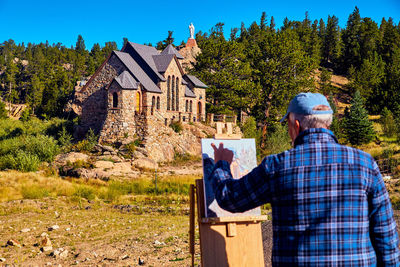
point(314, 47)
point(222, 66)
point(80, 44)
point(125, 40)
point(388, 122)
point(325, 82)
point(272, 24)
point(335, 125)
point(3, 111)
point(351, 41)
point(263, 25)
point(357, 126)
point(369, 80)
point(108, 48)
point(331, 45)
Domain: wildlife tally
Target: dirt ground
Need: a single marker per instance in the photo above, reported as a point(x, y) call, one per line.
point(94, 234)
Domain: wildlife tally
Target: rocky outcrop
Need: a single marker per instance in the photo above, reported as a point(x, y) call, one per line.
point(162, 142)
point(72, 157)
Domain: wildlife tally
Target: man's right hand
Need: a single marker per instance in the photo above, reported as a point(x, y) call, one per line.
point(222, 153)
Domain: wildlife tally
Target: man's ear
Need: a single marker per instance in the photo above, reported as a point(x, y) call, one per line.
point(297, 127)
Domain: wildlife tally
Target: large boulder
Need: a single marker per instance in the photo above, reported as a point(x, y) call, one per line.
point(104, 164)
point(145, 164)
point(70, 157)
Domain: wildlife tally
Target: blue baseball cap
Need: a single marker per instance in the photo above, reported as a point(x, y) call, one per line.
point(304, 103)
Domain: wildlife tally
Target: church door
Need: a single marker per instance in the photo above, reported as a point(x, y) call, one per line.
point(138, 102)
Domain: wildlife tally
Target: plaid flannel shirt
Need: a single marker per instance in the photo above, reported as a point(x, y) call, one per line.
point(329, 203)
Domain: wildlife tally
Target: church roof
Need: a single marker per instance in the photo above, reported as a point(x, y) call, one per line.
point(170, 50)
point(188, 92)
point(126, 81)
point(147, 53)
point(162, 61)
point(137, 72)
point(196, 82)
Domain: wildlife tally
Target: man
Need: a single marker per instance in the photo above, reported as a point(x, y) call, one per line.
point(329, 203)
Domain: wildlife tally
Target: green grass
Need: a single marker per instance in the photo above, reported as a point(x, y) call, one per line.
point(34, 192)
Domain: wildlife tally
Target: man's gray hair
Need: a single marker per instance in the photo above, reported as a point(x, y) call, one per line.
point(312, 121)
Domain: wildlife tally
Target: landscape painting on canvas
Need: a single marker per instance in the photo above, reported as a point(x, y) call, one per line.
point(244, 160)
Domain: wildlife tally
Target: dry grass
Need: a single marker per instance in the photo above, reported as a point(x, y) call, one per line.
point(94, 229)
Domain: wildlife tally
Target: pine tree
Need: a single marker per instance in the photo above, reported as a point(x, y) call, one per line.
point(331, 45)
point(272, 24)
point(325, 82)
point(335, 125)
point(388, 122)
point(80, 44)
point(263, 25)
point(351, 42)
point(357, 126)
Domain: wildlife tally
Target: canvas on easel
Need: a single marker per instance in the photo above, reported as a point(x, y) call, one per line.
point(244, 160)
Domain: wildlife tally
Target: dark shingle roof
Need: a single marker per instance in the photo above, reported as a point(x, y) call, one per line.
point(170, 50)
point(137, 72)
point(196, 81)
point(147, 53)
point(126, 81)
point(188, 92)
point(162, 62)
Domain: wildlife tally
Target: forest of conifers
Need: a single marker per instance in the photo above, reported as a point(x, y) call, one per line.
point(256, 69)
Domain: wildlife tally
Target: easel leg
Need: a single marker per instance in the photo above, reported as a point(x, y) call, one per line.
point(192, 222)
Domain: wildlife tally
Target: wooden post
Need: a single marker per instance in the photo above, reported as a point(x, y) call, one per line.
point(192, 224)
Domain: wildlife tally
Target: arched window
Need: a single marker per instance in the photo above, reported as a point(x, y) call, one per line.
point(153, 104)
point(158, 102)
point(115, 99)
point(138, 101)
point(177, 94)
point(186, 106)
point(199, 108)
point(190, 107)
point(168, 92)
point(173, 93)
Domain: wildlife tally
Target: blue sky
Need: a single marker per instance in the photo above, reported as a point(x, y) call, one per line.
point(149, 21)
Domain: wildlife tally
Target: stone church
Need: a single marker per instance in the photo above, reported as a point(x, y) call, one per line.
point(137, 86)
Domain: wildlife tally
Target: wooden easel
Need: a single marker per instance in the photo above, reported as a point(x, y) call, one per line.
point(225, 241)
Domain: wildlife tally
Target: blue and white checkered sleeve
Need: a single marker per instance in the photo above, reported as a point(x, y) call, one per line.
point(384, 236)
point(239, 195)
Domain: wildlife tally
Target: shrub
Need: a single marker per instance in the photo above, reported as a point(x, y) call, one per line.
point(176, 126)
point(180, 158)
point(81, 164)
point(249, 128)
point(88, 143)
point(388, 123)
point(43, 146)
point(21, 160)
point(278, 139)
point(26, 114)
point(85, 192)
point(64, 139)
point(3, 111)
point(34, 192)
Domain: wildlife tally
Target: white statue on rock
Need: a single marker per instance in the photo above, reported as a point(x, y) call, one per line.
point(191, 30)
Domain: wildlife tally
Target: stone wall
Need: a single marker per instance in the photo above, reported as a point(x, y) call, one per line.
point(93, 97)
point(120, 122)
point(180, 114)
